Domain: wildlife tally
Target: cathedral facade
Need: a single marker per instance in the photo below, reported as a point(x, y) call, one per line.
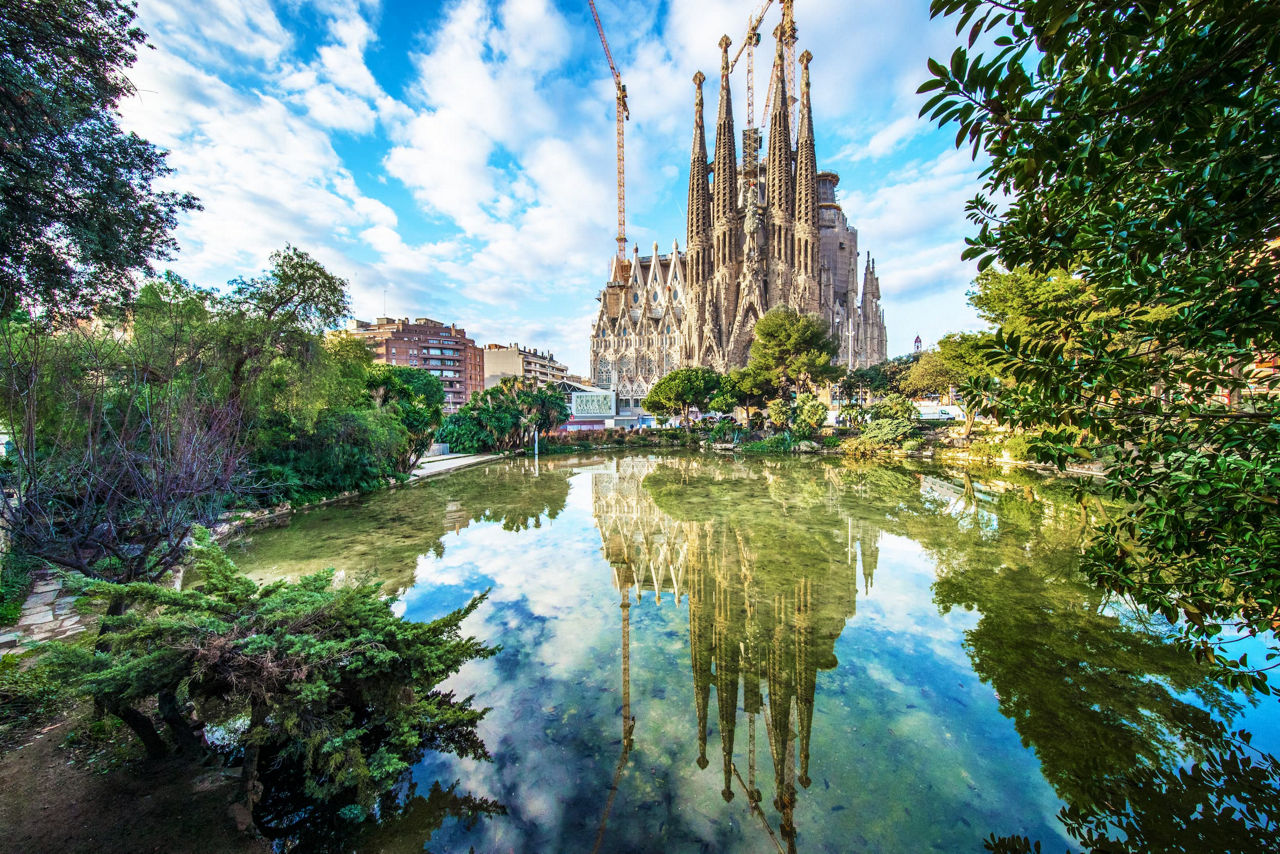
point(760, 233)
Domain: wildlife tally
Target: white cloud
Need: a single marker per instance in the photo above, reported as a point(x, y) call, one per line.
point(480, 188)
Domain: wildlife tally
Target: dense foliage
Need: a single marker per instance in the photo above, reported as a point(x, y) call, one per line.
point(130, 430)
point(959, 359)
point(686, 389)
point(793, 351)
point(322, 678)
point(79, 212)
point(510, 415)
point(1136, 144)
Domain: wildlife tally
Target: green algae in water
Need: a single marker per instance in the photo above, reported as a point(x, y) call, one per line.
point(714, 654)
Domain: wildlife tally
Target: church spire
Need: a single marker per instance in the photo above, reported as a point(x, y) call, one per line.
point(699, 229)
point(725, 191)
point(780, 180)
point(808, 288)
point(806, 156)
point(870, 283)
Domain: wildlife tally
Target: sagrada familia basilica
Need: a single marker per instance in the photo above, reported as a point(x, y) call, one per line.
point(760, 234)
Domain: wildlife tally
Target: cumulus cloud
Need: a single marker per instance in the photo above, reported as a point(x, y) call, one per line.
point(471, 175)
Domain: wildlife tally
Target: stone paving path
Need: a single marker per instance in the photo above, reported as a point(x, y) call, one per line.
point(48, 614)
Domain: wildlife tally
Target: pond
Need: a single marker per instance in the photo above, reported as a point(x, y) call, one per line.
point(752, 655)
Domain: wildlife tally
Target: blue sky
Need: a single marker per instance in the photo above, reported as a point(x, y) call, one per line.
point(456, 159)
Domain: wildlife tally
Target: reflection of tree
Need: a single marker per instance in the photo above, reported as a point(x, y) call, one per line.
point(1126, 725)
point(512, 495)
point(404, 821)
point(385, 533)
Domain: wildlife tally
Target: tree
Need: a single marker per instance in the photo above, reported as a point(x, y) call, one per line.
point(931, 374)
point(893, 406)
point(79, 212)
point(959, 360)
point(324, 678)
point(543, 408)
point(728, 397)
point(753, 388)
point(1013, 299)
point(681, 391)
point(416, 397)
point(793, 350)
point(1135, 144)
point(278, 315)
point(122, 443)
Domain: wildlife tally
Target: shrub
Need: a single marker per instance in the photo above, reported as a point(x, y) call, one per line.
point(28, 694)
point(724, 431)
point(880, 435)
point(892, 406)
point(326, 679)
point(779, 444)
point(831, 441)
point(912, 445)
point(1018, 447)
point(15, 580)
point(984, 450)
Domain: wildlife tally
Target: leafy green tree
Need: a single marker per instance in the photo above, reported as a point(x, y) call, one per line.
point(893, 406)
point(1014, 300)
point(416, 397)
point(931, 374)
point(793, 350)
point(681, 391)
point(1135, 144)
point(542, 407)
point(728, 396)
point(80, 215)
point(326, 678)
point(959, 360)
point(753, 388)
point(810, 413)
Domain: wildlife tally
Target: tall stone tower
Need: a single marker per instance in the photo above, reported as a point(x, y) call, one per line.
point(760, 233)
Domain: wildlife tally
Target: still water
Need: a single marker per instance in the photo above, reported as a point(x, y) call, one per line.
point(709, 654)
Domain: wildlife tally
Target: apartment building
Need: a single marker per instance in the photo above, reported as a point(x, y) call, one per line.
point(442, 349)
point(515, 361)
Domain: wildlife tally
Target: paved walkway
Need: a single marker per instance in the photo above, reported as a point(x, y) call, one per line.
point(450, 462)
point(48, 614)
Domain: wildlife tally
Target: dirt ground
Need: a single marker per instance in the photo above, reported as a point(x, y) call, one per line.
point(48, 806)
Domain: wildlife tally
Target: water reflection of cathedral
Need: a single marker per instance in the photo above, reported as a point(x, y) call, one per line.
point(762, 621)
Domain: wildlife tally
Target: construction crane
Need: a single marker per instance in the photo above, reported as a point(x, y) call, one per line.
point(623, 114)
point(749, 45)
point(787, 32)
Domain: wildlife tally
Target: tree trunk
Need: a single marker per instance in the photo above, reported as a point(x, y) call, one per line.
point(250, 787)
point(180, 726)
point(970, 415)
point(144, 729)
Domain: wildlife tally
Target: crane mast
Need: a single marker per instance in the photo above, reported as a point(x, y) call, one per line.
point(787, 32)
point(749, 45)
point(622, 114)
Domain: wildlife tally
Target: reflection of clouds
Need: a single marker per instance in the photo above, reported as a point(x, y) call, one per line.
point(895, 604)
point(906, 739)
